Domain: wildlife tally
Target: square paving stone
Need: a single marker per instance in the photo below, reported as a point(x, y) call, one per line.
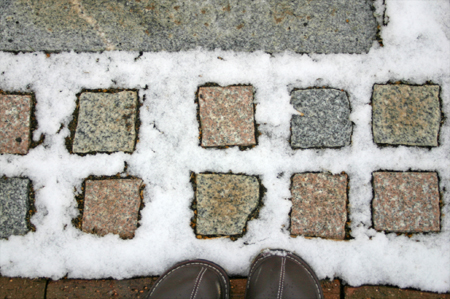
point(226, 116)
point(406, 114)
point(323, 119)
point(406, 201)
point(224, 202)
point(15, 118)
point(14, 204)
point(111, 206)
point(319, 205)
point(106, 122)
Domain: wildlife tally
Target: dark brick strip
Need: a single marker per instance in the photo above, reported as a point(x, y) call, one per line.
point(375, 292)
point(12, 288)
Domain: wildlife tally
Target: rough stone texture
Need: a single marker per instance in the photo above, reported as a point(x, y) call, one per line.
point(106, 122)
point(226, 116)
point(224, 202)
point(14, 204)
point(405, 114)
point(107, 288)
point(382, 292)
point(111, 206)
point(319, 203)
point(15, 117)
point(172, 25)
point(323, 119)
point(20, 288)
point(406, 201)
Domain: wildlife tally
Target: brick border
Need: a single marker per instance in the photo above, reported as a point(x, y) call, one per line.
point(74, 122)
point(200, 136)
point(253, 215)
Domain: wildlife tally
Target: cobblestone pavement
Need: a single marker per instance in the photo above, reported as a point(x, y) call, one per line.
point(108, 121)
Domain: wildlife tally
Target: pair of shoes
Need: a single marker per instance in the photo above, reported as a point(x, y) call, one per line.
point(274, 274)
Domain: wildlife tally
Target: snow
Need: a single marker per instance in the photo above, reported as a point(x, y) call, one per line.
point(416, 50)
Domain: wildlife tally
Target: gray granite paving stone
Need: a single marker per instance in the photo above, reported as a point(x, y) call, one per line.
point(323, 118)
point(326, 26)
point(14, 204)
point(224, 202)
point(106, 122)
point(406, 114)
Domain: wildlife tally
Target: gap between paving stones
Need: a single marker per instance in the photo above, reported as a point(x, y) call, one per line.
point(253, 215)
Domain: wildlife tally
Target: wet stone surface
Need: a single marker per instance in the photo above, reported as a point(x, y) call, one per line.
point(106, 122)
point(15, 118)
point(112, 206)
point(226, 116)
point(303, 26)
point(406, 201)
point(224, 202)
point(319, 204)
point(406, 114)
point(323, 119)
point(14, 204)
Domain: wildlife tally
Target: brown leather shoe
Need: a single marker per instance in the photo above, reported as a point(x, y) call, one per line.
point(280, 274)
point(197, 279)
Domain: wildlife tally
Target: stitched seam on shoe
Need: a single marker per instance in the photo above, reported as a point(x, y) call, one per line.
point(197, 282)
point(253, 268)
point(282, 276)
point(182, 266)
point(309, 273)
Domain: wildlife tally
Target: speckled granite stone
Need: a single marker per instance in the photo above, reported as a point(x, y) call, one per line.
point(405, 114)
point(15, 117)
point(111, 206)
point(14, 204)
point(224, 202)
point(106, 122)
point(319, 202)
point(406, 201)
point(323, 119)
point(304, 26)
point(226, 116)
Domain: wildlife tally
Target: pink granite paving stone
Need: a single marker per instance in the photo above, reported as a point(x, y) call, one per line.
point(111, 206)
point(15, 115)
point(319, 205)
point(406, 201)
point(226, 116)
